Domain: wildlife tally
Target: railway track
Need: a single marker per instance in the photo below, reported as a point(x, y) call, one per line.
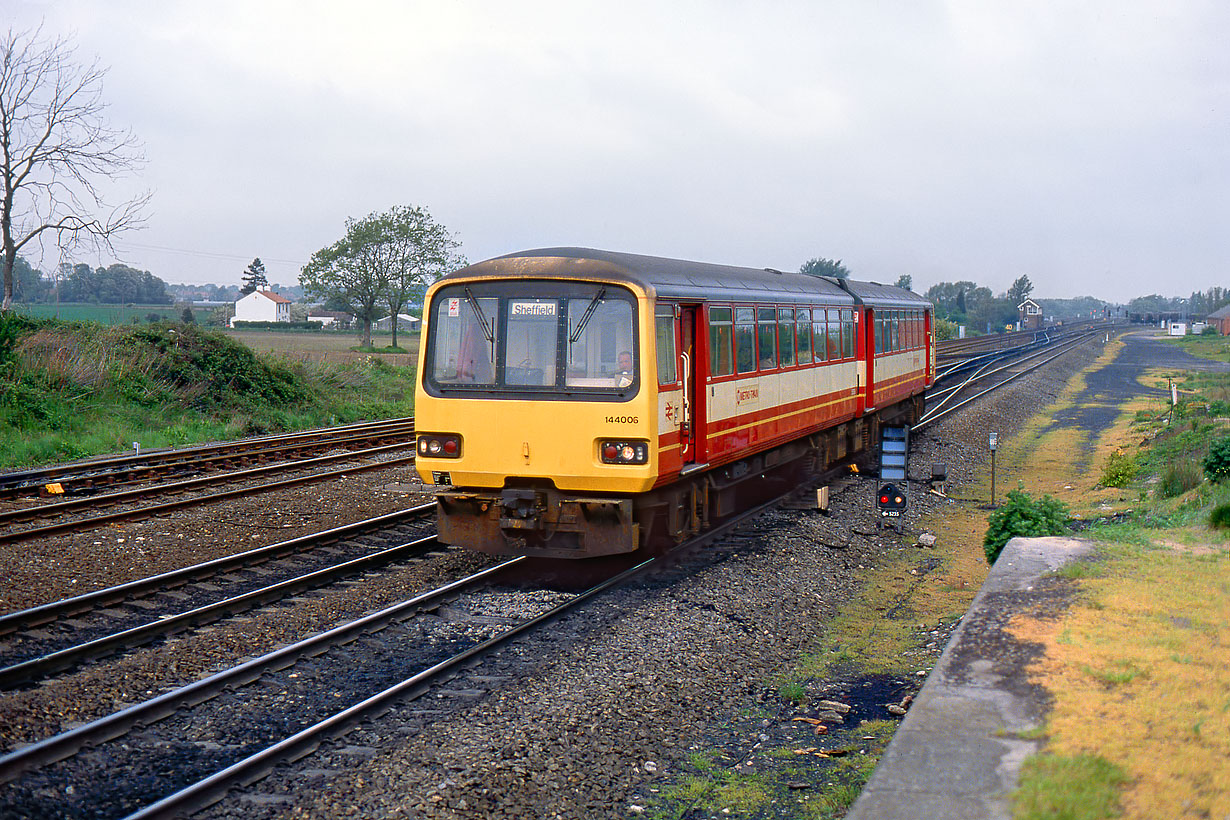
point(89, 477)
point(995, 372)
point(54, 637)
point(375, 458)
point(267, 711)
point(950, 349)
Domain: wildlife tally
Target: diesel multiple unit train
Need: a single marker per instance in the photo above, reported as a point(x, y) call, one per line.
point(578, 403)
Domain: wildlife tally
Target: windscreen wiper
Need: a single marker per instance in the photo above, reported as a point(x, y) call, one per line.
point(587, 315)
point(478, 314)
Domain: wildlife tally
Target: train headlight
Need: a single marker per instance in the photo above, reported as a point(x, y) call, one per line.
point(439, 445)
point(624, 452)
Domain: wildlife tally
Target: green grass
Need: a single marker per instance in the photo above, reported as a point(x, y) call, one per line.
point(106, 314)
point(72, 390)
point(1216, 348)
point(1084, 787)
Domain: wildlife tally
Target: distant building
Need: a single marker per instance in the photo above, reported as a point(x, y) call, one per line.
point(261, 305)
point(1030, 315)
point(335, 319)
point(404, 322)
point(1220, 319)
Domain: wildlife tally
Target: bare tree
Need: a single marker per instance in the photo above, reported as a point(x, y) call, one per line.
point(55, 149)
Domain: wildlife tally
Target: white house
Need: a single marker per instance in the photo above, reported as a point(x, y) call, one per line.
point(262, 305)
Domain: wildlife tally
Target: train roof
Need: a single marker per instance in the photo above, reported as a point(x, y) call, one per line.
point(681, 279)
point(873, 293)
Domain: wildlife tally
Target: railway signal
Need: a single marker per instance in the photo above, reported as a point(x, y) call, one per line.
point(894, 469)
point(890, 500)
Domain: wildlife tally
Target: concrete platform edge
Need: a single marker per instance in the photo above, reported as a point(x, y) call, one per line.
point(958, 752)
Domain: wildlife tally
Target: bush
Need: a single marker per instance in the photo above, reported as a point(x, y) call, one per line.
point(1217, 463)
point(1219, 518)
point(1021, 515)
point(1119, 469)
point(1179, 477)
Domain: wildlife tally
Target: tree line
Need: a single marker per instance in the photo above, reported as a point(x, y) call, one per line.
point(116, 284)
point(1199, 304)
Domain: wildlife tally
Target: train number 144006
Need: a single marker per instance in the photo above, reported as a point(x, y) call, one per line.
point(621, 419)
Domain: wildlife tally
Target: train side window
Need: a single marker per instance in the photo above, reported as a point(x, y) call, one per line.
point(896, 330)
point(803, 323)
point(721, 341)
point(820, 332)
point(834, 334)
point(664, 338)
point(785, 336)
point(745, 339)
point(766, 337)
point(848, 318)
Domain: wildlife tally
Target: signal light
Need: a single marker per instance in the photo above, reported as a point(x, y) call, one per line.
point(438, 445)
point(890, 500)
point(624, 452)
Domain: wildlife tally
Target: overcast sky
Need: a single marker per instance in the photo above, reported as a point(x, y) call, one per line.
point(1085, 144)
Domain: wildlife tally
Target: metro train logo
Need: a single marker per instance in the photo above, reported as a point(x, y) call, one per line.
point(747, 396)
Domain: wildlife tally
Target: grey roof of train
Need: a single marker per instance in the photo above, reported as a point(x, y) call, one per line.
point(677, 278)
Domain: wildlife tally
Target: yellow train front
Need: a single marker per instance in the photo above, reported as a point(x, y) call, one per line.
point(578, 403)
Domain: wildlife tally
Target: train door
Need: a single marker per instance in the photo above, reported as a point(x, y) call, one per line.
point(871, 343)
point(929, 341)
point(691, 369)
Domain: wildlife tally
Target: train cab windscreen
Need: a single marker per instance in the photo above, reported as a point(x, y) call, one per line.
point(537, 337)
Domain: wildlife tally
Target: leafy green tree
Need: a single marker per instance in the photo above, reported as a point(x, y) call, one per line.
point(1020, 290)
point(351, 271)
point(966, 303)
point(905, 281)
point(825, 267)
point(416, 251)
point(254, 277)
point(29, 286)
point(383, 258)
point(57, 148)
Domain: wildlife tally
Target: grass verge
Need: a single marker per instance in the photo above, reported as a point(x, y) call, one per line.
point(876, 646)
point(72, 390)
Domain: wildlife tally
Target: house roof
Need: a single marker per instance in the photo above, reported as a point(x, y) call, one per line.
point(1028, 301)
point(1220, 313)
point(274, 297)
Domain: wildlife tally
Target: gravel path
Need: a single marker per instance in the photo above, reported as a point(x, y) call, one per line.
point(566, 724)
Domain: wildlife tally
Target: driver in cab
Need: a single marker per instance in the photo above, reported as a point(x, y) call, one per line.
point(623, 369)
